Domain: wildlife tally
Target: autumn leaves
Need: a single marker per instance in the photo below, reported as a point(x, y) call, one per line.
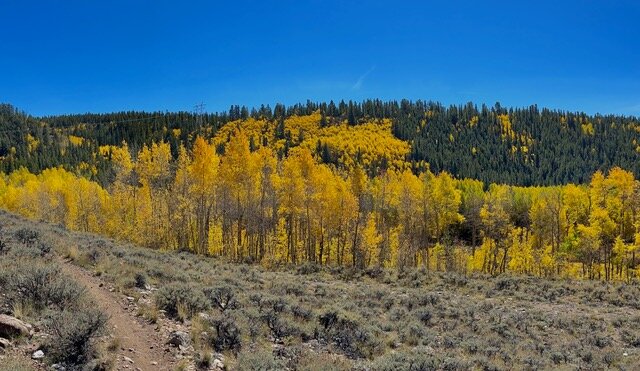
point(256, 206)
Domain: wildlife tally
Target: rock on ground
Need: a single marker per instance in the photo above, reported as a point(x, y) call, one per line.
point(4, 343)
point(178, 338)
point(11, 327)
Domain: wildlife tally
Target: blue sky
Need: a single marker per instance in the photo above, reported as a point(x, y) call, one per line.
point(79, 56)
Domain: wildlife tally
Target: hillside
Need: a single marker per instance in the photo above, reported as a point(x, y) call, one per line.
point(331, 185)
point(517, 146)
point(248, 318)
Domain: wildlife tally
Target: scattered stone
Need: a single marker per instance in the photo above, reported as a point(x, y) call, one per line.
point(11, 327)
point(58, 367)
point(131, 299)
point(217, 364)
point(178, 338)
point(127, 359)
point(154, 363)
point(4, 343)
point(38, 354)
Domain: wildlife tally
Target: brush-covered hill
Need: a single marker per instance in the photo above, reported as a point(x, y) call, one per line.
point(193, 312)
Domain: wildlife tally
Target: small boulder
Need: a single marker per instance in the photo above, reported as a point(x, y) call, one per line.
point(38, 354)
point(4, 343)
point(11, 327)
point(217, 364)
point(178, 338)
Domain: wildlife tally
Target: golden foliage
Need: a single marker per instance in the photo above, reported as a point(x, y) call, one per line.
point(250, 204)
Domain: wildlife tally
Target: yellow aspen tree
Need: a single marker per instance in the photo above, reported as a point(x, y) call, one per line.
point(520, 253)
point(358, 180)
point(409, 208)
point(154, 176)
point(620, 186)
point(575, 200)
point(605, 229)
point(290, 188)
point(441, 204)
point(471, 201)
point(203, 172)
point(181, 206)
point(496, 228)
point(236, 192)
point(370, 241)
point(265, 208)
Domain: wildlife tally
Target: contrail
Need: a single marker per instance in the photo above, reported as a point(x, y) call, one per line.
point(358, 83)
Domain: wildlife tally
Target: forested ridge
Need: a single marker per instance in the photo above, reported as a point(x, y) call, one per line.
point(523, 146)
point(364, 185)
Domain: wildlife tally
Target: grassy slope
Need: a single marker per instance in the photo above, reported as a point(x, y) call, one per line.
point(382, 318)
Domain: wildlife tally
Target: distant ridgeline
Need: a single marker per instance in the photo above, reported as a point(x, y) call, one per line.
point(492, 144)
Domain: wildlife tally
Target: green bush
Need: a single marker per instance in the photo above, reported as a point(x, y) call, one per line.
point(140, 280)
point(221, 297)
point(43, 286)
point(44, 248)
point(226, 334)
point(259, 361)
point(278, 327)
point(179, 295)
point(349, 334)
point(72, 335)
point(409, 361)
point(27, 236)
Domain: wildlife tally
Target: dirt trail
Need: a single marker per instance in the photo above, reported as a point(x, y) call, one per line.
point(139, 342)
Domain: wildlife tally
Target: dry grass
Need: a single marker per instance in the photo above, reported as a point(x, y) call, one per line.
point(15, 363)
point(333, 318)
point(35, 289)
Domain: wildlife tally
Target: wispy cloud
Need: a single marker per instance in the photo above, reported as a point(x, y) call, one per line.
point(361, 79)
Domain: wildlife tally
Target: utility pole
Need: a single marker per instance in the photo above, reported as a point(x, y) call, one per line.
point(198, 111)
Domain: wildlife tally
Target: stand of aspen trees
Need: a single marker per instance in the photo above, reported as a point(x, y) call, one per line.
point(252, 206)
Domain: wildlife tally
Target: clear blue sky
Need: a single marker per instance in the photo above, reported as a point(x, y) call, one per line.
point(79, 56)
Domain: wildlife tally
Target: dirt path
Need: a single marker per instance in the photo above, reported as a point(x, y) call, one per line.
point(141, 347)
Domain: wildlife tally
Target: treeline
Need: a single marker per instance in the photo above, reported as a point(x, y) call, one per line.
point(527, 146)
point(26, 142)
point(254, 206)
point(518, 146)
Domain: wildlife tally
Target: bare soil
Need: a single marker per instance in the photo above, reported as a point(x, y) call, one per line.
point(139, 342)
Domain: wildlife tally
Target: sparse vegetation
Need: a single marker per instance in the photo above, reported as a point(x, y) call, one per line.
point(73, 335)
point(384, 321)
point(181, 299)
point(35, 289)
